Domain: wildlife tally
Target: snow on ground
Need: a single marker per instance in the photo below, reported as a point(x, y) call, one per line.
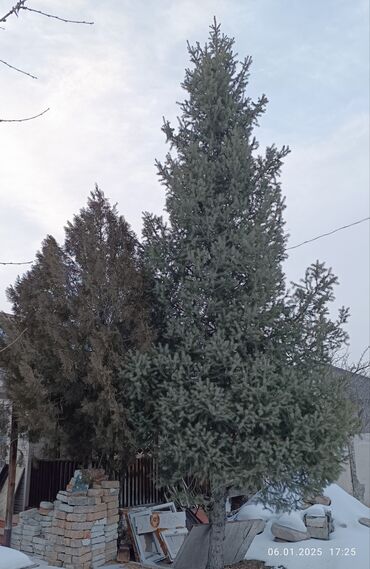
point(12, 559)
point(347, 548)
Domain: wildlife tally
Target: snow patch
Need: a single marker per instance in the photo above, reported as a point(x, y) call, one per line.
point(12, 559)
point(348, 546)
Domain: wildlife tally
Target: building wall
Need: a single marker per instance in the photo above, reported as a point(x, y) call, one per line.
point(362, 459)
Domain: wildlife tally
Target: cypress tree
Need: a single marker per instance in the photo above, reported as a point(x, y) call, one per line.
point(83, 306)
point(236, 391)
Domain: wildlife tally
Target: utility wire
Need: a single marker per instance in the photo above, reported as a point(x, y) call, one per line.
point(11, 263)
point(329, 233)
point(288, 248)
point(14, 341)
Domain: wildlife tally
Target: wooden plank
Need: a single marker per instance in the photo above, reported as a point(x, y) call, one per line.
point(194, 551)
point(238, 538)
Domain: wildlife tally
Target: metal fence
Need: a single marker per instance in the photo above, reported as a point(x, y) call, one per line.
point(47, 478)
point(138, 482)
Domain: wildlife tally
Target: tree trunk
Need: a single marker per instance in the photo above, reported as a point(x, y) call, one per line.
point(217, 520)
point(13, 449)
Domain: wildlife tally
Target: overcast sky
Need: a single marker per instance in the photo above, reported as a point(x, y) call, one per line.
point(109, 85)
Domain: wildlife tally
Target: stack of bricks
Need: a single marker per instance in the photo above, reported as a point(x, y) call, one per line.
point(81, 530)
point(31, 533)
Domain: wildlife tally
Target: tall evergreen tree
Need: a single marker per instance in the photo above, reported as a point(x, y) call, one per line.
point(236, 392)
point(82, 306)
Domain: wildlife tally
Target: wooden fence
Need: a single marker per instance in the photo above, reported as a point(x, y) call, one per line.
point(138, 482)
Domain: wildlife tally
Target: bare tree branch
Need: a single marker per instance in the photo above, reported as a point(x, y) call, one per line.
point(20, 5)
point(17, 69)
point(56, 17)
point(14, 341)
point(26, 119)
point(15, 10)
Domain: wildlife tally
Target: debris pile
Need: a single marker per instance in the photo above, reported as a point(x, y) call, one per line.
point(160, 537)
point(157, 533)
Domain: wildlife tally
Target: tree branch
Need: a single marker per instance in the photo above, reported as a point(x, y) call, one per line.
point(15, 10)
point(17, 69)
point(27, 118)
point(56, 17)
point(20, 5)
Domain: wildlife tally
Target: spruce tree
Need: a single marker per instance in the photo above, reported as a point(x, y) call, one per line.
point(82, 307)
point(236, 391)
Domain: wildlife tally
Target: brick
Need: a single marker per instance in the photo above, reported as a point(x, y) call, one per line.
point(82, 558)
point(59, 524)
point(95, 516)
point(60, 515)
point(107, 484)
point(44, 512)
point(89, 509)
point(98, 524)
point(79, 501)
point(98, 553)
point(63, 497)
point(57, 531)
point(95, 492)
point(83, 509)
point(39, 540)
point(77, 517)
point(98, 563)
point(77, 534)
point(80, 525)
point(27, 513)
point(109, 498)
point(65, 508)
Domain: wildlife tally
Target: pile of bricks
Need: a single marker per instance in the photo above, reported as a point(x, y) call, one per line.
point(31, 533)
point(78, 531)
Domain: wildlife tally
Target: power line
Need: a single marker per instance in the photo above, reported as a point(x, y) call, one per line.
point(329, 233)
point(11, 263)
point(288, 248)
point(14, 341)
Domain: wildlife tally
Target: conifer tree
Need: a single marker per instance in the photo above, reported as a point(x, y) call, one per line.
point(82, 307)
point(236, 392)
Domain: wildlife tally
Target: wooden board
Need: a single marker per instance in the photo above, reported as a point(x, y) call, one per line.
point(146, 523)
point(238, 537)
point(4, 491)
